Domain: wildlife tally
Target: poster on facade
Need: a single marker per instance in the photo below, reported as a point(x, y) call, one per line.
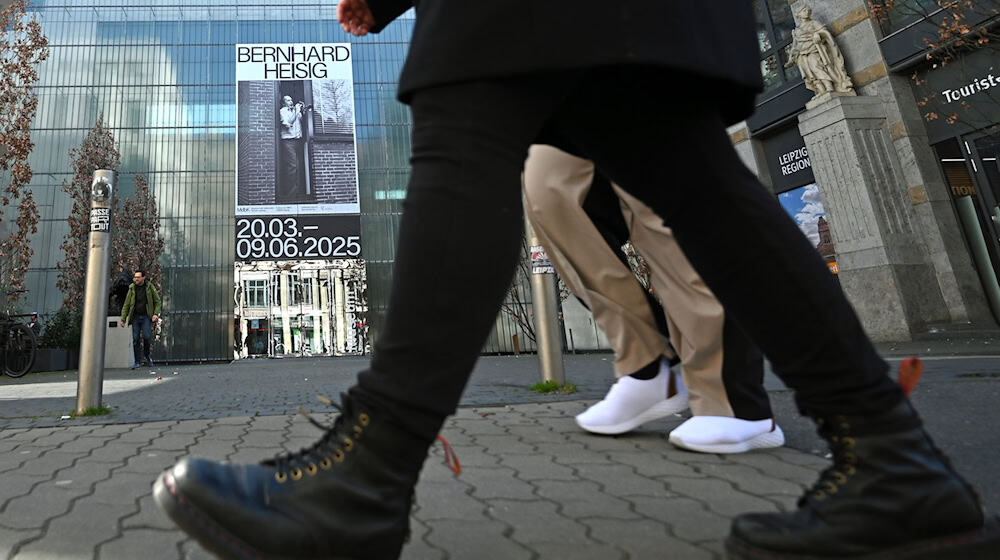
point(805, 206)
point(296, 158)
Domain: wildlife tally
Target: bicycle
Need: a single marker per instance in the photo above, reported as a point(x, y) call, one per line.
point(18, 343)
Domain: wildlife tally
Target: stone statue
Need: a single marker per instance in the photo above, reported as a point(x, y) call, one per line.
point(818, 57)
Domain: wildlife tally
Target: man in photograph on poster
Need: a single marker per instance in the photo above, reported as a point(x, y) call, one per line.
point(290, 186)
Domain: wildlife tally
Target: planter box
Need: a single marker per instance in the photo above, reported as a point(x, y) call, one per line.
point(51, 359)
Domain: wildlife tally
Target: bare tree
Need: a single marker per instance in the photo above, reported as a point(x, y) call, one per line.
point(960, 28)
point(22, 48)
point(97, 151)
point(137, 243)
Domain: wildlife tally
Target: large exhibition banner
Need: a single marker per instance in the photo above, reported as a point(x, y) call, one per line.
point(296, 157)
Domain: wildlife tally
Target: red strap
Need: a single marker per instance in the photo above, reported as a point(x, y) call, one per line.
point(450, 459)
point(909, 373)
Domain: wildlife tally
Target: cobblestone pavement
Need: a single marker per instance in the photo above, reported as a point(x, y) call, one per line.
point(533, 485)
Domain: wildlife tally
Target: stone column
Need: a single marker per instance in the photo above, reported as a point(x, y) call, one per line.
point(883, 266)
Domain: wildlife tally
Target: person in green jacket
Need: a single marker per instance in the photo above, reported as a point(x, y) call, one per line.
point(141, 310)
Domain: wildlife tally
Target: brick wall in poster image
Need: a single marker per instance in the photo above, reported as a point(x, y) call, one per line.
point(334, 172)
point(257, 137)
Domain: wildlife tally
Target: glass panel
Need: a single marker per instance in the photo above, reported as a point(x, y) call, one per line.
point(771, 73)
point(792, 73)
point(782, 21)
point(763, 39)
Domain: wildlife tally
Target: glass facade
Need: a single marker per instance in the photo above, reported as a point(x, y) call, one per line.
point(162, 73)
point(774, 37)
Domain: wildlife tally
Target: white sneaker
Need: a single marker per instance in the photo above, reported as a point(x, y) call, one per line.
point(632, 402)
point(721, 434)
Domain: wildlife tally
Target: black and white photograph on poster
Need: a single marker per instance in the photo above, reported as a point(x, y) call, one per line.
point(296, 141)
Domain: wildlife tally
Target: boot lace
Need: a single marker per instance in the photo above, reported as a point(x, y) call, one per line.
point(338, 440)
point(332, 448)
point(845, 461)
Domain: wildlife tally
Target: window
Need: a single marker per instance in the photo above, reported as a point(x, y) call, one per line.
point(901, 13)
point(256, 293)
point(774, 37)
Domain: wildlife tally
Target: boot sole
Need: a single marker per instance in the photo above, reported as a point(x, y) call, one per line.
point(767, 440)
point(209, 534)
point(980, 544)
point(662, 409)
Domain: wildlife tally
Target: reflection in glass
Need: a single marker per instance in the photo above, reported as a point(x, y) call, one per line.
point(762, 36)
point(771, 72)
point(782, 21)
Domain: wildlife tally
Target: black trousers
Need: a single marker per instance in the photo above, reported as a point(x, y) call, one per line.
point(290, 184)
point(661, 138)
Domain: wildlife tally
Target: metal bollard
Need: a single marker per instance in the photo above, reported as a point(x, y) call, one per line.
point(95, 302)
point(543, 297)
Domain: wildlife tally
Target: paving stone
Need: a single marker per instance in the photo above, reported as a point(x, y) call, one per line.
point(83, 475)
point(482, 540)
point(151, 462)
point(535, 434)
point(252, 455)
point(222, 432)
point(751, 480)
point(171, 442)
point(720, 496)
point(115, 451)
point(501, 482)
point(85, 444)
point(564, 425)
point(217, 450)
point(124, 488)
point(537, 467)
point(142, 434)
point(456, 436)
point(582, 499)
point(234, 420)
point(46, 500)
point(190, 426)
point(608, 444)
point(148, 516)
point(469, 455)
point(81, 529)
point(10, 538)
point(503, 445)
point(142, 543)
point(270, 439)
point(49, 462)
point(447, 500)
point(56, 437)
point(8, 433)
point(687, 518)
point(587, 550)
point(782, 465)
point(418, 548)
point(482, 427)
point(621, 480)
point(279, 423)
point(644, 539)
point(16, 484)
point(537, 521)
point(31, 435)
point(575, 453)
point(655, 464)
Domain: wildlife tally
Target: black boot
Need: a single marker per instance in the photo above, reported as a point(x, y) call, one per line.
point(890, 493)
point(347, 496)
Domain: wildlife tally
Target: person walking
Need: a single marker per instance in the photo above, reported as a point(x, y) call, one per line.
point(582, 220)
point(485, 81)
point(140, 310)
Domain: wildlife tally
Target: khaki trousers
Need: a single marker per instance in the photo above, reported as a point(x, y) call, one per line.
point(555, 186)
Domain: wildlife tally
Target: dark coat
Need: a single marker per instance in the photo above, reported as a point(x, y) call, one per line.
point(461, 40)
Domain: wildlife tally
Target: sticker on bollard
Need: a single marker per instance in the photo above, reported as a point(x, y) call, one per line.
point(540, 262)
point(100, 219)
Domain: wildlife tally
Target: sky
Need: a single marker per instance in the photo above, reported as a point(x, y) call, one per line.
point(805, 206)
